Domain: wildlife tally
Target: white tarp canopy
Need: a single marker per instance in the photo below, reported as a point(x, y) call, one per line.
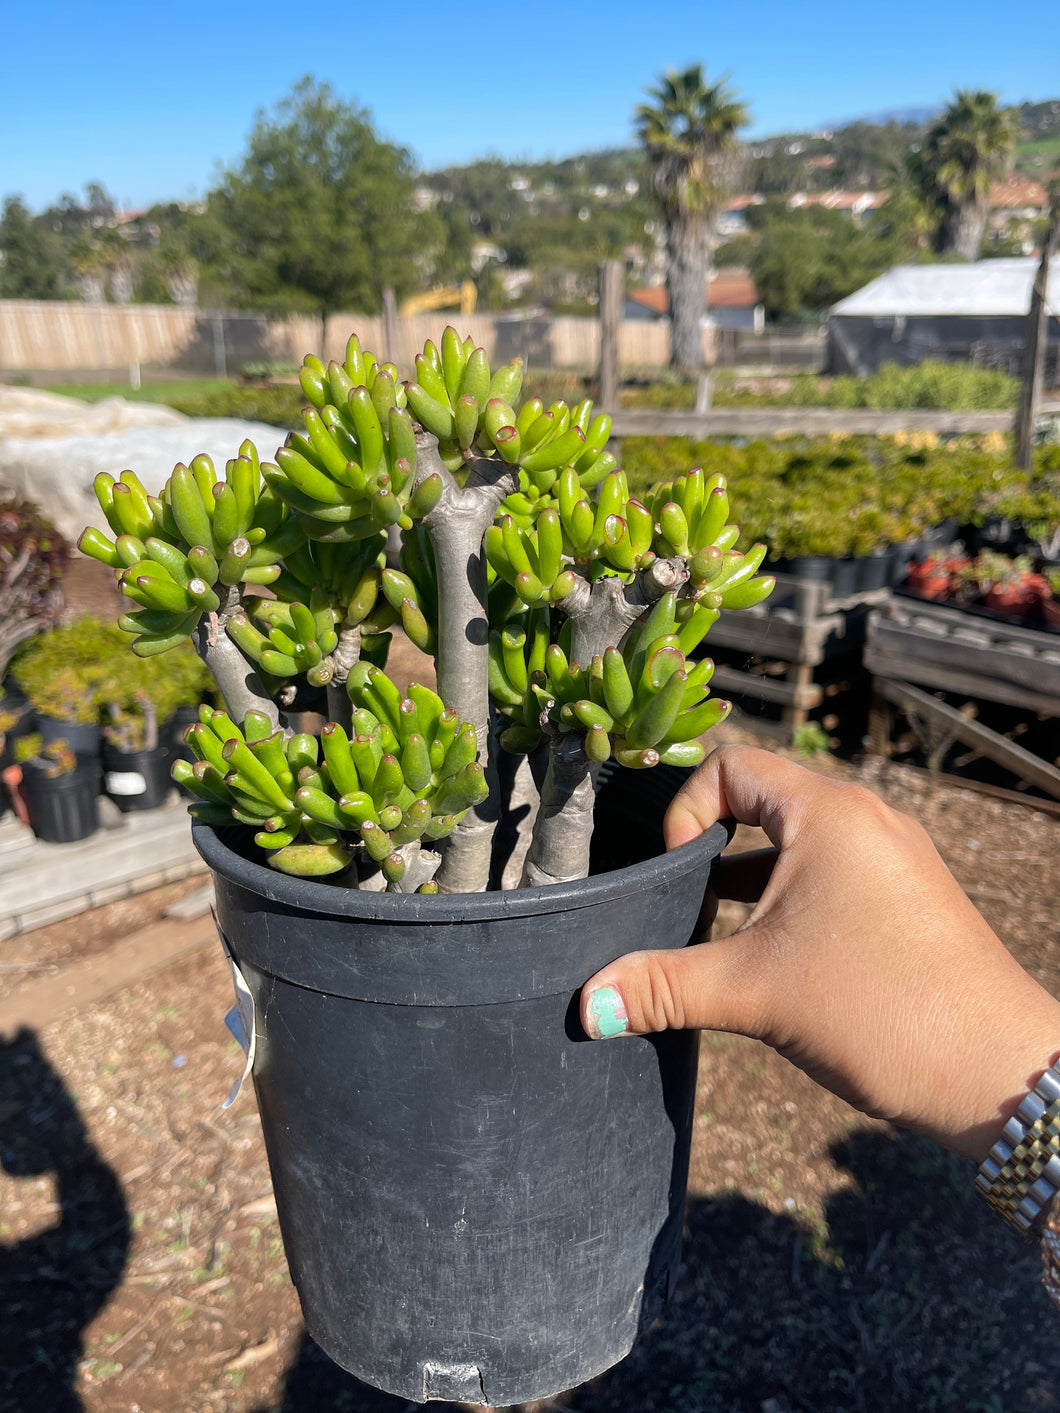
point(984, 288)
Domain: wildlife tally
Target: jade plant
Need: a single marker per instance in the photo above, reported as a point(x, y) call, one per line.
point(563, 615)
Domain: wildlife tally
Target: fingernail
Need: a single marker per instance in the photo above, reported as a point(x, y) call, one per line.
point(605, 1014)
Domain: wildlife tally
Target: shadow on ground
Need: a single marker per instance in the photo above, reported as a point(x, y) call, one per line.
point(911, 1294)
point(54, 1282)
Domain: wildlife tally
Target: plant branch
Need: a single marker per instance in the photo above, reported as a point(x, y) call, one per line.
point(603, 612)
point(563, 831)
point(456, 527)
point(240, 686)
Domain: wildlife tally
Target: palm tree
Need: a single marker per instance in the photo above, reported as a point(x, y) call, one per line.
point(689, 134)
point(966, 149)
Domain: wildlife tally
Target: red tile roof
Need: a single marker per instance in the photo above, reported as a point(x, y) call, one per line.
point(728, 288)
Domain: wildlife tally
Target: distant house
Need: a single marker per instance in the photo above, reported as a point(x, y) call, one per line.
point(955, 313)
point(732, 301)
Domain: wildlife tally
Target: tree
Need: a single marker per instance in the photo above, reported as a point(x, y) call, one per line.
point(807, 258)
point(319, 214)
point(969, 147)
point(689, 135)
point(31, 257)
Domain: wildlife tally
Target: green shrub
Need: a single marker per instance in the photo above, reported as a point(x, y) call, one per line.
point(955, 387)
point(278, 406)
point(855, 495)
point(74, 672)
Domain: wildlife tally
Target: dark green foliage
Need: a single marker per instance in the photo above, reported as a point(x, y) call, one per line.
point(850, 496)
point(32, 266)
point(810, 257)
point(318, 214)
point(278, 406)
point(957, 387)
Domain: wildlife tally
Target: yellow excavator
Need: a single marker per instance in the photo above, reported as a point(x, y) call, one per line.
point(464, 296)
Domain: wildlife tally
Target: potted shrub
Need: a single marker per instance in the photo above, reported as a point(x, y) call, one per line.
point(140, 699)
point(932, 578)
point(475, 1203)
point(60, 792)
point(33, 560)
point(64, 674)
point(1049, 605)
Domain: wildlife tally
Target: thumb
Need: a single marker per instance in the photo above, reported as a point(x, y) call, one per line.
point(708, 986)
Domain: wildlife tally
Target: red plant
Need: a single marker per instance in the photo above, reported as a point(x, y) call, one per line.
point(33, 560)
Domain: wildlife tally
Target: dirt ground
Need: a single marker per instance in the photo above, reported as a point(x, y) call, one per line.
point(830, 1263)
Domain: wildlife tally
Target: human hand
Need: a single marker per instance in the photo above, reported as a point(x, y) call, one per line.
point(862, 961)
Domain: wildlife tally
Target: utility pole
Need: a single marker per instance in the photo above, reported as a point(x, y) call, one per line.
point(390, 324)
point(612, 288)
point(1034, 347)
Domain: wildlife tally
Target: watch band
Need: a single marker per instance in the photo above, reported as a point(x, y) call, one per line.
point(1021, 1174)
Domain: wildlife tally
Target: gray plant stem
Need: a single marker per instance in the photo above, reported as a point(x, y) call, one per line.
point(456, 527)
point(563, 831)
point(420, 867)
point(240, 686)
point(602, 613)
point(345, 657)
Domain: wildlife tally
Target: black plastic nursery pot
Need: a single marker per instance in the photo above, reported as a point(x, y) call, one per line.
point(82, 737)
point(65, 808)
point(136, 780)
point(477, 1202)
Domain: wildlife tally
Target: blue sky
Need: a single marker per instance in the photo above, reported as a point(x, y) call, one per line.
point(151, 100)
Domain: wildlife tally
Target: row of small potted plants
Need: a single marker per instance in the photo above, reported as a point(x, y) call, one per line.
point(1006, 586)
point(854, 512)
point(80, 715)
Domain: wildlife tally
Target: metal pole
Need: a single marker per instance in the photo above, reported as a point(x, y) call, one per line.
point(1034, 348)
point(220, 361)
point(612, 286)
point(390, 325)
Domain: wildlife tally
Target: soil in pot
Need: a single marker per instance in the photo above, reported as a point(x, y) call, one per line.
point(477, 1202)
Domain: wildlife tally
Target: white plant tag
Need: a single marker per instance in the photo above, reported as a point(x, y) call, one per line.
point(240, 1019)
point(124, 782)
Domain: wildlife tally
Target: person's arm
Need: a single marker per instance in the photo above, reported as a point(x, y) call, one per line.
point(863, 962)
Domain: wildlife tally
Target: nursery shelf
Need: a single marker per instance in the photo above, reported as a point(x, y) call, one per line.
point(801, 624)
point(912, 645)
point(42, 883)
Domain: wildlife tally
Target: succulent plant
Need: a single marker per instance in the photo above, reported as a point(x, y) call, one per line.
point(33, 560)
point(563, 614)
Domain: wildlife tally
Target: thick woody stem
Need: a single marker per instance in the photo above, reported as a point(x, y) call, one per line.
point(345, 657)
point(420, 867)
point(456, 527)
point(240, 686)
point(602, 614)
point(563, 832)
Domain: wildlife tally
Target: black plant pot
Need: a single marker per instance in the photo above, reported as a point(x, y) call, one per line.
point(82, 737)
point(66, 808)
point(16, 704)
point(477, 1203)
point(875, 571)
point(136, 780)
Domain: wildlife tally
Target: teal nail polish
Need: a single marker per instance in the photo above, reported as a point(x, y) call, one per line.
point(606, 1014)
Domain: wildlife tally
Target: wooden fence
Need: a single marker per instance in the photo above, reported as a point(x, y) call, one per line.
point(53, 336)
point(67, 337)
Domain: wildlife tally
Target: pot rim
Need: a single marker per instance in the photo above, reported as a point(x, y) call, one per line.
point(331, 900)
